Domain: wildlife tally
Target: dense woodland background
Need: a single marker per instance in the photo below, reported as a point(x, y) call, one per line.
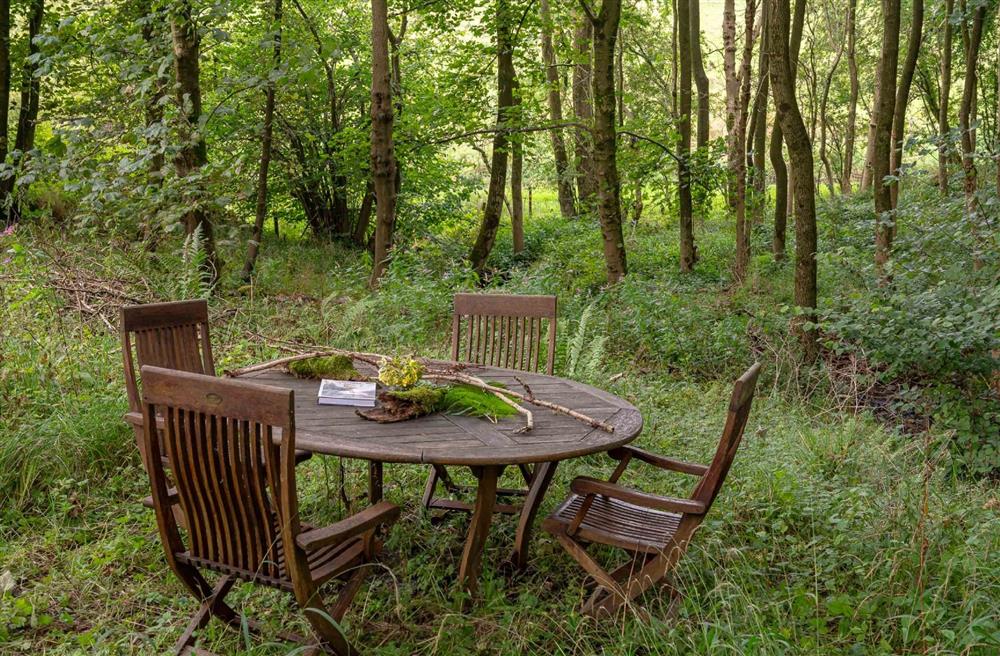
point(814, 184)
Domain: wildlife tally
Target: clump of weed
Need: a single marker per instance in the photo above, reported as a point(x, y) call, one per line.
point(425, 397)
point(474, 402)
point(338, 367)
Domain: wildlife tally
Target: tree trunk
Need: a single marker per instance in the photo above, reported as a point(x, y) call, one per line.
point(193, 153)
point(516, 196)
point(360, 236)
point(688, 252)
point(800, 154)
point(823, 120)
point(396, 80)
point(266, 140)
point(847, 174)
point(564, 181)
point(902, 97)
point(965, 118)
point(700, 77)
point(882, 122)
point(501, 141)
point(944, 148)
point(782, 190)
point(517, 176)
point(737, 107)
point(759, 131)
point(152, 19)
point(583, 111)
point(27, 118)
point(604, 34)
point(4, 93)
point(383, 155)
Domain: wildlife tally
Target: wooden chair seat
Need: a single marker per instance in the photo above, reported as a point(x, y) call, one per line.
point(654, 530)
point(617, 523)
point(324, 563)
point(231, 447)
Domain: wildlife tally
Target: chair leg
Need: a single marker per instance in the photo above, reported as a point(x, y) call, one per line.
point(581, 556)
point(651, 573)
point(210, 606)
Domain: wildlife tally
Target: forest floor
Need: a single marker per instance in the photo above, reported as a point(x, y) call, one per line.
point(836, 532)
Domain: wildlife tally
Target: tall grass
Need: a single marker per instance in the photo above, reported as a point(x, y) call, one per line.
point(834, 534)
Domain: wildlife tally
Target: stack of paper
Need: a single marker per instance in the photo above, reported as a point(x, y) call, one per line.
point(346, 392)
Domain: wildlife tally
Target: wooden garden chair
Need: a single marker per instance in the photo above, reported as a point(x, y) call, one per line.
point(173, 335)
point(499, 330)
point(654, 530)
point(236, 486)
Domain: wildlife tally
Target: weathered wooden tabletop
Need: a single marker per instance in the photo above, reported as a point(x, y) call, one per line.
point(484, 446)
point(460, 440)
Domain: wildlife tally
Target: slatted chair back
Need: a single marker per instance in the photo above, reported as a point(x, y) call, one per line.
point(171, 335)
point(504, 330)
point(230, 476)
point(732, 434)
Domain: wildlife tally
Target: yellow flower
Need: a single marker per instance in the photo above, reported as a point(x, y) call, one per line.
point(401, 372)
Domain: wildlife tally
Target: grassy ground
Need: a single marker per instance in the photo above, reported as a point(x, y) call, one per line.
point(835, 534)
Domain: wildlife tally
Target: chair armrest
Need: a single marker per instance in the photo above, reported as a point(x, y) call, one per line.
point(362, 522)
point(656, 460)
point(584, 486)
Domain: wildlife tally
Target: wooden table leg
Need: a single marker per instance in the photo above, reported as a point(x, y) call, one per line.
point(374, 481)
point(536, 493)
point(479, 527)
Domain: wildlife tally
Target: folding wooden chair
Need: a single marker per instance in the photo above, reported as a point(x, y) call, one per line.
point(173, 335)
point(499, 330)
point(654, 530)
point(236, 486)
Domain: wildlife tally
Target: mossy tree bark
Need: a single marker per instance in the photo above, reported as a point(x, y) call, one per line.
point(965, 118)
point(383, 155)
point(700, 76)
point(517, 177)
point(801, 156)
point(27, 117)
point(944, 148)
point(266, 142)
point(847, 172)
point(501, 140)
point(688, 252)
point(902, 97)
point(605, 135)
point(564, 180)
point(882, 123)
point(782, 192)
point(583, 111)
point(758, 131)
point(4, 91)
point(193, 153)
point(737, 110)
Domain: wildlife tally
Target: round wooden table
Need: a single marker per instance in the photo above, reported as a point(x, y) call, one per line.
point(487, 448)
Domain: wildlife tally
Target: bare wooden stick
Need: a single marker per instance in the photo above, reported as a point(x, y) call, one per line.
point(475, 382)
point(451, 373)
point(368, 358)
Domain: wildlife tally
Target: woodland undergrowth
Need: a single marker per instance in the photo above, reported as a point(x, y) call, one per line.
point(862, 515)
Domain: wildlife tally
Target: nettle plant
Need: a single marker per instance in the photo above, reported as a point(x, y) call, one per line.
point(933, 327)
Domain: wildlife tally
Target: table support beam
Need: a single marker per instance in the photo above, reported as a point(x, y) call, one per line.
point(479, 527)
point(542, 476)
